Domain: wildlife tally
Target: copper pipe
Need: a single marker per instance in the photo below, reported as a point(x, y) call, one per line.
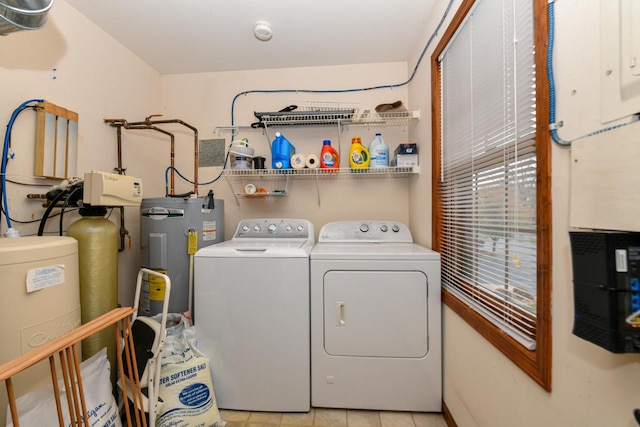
point(172, 160)
point(120, 170)
point(123, 230)
point(149, 122)
point(119, 123)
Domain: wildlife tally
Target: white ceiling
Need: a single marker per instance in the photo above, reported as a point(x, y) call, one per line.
point(191, 36)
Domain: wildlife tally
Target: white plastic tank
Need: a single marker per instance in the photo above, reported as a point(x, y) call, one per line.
point(40, 302)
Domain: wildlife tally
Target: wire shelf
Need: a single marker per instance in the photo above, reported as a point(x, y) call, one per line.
point(306, 118)
point(270, 174)
point(333, 117)
point(392, 118)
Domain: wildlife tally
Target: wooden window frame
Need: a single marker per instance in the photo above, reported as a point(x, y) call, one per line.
point(536, 363)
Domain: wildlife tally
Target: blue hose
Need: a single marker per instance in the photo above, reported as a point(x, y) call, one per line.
point(552, 86)
point(553, 126)
point(166, 175)
point(5, 153)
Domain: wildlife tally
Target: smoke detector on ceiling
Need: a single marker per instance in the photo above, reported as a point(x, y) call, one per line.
point(262, 31)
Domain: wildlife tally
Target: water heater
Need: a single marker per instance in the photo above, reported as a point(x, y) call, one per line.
point(40, 302)
point(165, 225)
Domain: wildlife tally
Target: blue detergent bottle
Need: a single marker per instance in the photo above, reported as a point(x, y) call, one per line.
point(281, 152)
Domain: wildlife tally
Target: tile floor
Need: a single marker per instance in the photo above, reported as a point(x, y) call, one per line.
point(332, 418)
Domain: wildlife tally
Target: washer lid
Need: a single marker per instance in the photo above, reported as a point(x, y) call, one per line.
point(372, 251)
point(263, 248)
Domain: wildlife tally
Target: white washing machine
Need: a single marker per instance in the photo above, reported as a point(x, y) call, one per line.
point(375, 319)
point(251, 307)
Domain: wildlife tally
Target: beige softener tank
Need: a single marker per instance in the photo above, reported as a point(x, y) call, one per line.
point(40, 301)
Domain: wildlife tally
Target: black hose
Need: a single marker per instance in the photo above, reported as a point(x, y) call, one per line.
point(66, 203)
point(53, 203)
point(183, 195)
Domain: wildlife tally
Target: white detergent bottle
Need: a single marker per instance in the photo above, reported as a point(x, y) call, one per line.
point(379, 152)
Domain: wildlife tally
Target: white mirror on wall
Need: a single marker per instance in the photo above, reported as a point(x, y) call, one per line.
point(56, 141)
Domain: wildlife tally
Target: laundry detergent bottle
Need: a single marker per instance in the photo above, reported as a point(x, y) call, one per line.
point(329, 157)
point(281, 152)
point(358, 155)
point(379, 152)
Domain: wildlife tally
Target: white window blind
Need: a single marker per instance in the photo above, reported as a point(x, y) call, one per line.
point(488, 181)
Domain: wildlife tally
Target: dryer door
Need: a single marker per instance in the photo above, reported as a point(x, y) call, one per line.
point(375, 313)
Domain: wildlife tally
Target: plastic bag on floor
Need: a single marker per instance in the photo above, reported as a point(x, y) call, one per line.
point(185, 384)
point(38, 408)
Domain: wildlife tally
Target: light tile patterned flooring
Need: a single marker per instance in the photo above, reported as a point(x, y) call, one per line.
point(332, 418)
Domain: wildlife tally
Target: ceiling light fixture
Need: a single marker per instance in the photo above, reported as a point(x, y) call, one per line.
point(262, 31)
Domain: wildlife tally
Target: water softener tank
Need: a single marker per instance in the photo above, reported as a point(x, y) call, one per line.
point(98, 260)
point(165, 227)
point(40, 302)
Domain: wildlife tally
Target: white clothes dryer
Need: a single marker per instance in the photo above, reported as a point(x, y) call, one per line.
point(251, 311)
point(375, 319)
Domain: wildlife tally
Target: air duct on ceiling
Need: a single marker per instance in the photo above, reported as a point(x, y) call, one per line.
point(18, 15)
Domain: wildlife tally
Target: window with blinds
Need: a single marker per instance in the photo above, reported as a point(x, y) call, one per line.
point(488, 166)
point(491, 176)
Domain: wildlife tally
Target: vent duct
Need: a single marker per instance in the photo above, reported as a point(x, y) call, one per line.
point(18, 15)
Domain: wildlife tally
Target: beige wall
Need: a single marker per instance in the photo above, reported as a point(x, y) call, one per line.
point(98, 78)
point(73, 64)
point(591, 387)
point(206, 99)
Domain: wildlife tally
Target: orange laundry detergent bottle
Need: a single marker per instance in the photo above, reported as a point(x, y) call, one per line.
point(329, 158)
point(358, 155)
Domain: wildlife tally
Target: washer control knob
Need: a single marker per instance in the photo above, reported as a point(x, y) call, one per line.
point(300, 228)
point(256, 228)
point(384, 228)
point(364, 228)
point(272, 228)
point(395, 228)
point(289, 228)
point(245, 228)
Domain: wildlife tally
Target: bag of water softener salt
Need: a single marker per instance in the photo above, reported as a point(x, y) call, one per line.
point(38, 408)
point(185, 384)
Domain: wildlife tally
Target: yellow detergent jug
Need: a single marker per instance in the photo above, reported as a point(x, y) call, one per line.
point(358, 155)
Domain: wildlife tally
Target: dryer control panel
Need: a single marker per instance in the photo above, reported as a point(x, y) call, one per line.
point(365, 231)
point(273, 228)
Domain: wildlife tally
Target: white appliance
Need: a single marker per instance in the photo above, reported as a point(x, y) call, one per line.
point(375, 319)
point(110, 189)
point(252, 315)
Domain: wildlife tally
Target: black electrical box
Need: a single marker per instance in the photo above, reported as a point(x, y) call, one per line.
point(606, 288)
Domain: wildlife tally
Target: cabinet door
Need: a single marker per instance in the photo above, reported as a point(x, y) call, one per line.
point(375, 313)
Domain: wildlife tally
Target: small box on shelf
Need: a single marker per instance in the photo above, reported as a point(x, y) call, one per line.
point(405, 154)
